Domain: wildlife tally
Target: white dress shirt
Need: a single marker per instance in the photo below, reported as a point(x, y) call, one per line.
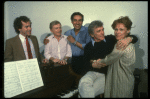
point(57, 49)
point(23, 41)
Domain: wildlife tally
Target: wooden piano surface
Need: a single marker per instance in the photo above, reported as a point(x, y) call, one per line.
point(56, 79)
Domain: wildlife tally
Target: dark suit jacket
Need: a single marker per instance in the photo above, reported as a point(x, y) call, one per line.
point(14, 49)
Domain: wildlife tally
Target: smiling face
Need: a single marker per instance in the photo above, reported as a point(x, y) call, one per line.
point(26, 29)
point(56, 30)
point(77, 22)
point(98, 34)
point(120, 31)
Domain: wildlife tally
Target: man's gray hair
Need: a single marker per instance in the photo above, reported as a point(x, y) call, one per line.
point(54, 23)
point(94, 24)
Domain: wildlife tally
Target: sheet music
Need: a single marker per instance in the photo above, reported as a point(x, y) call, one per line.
point(12, 86)
point(29, 74)
point(21, 76)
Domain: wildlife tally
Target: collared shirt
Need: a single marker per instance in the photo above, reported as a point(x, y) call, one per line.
point(82, 37)
point(94, 41)
point(23, 41)
point(57, 49)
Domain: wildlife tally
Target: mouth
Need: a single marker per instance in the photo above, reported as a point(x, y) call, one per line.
point(77, 25)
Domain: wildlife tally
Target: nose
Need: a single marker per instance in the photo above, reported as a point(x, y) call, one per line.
point(117, 32)
point(77, 22)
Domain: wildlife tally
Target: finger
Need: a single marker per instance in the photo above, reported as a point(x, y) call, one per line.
point(124, 48)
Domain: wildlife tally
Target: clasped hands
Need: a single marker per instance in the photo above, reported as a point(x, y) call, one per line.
point(97, 64)
point(61, 62)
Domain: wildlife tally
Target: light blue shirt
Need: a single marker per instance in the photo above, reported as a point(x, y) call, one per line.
point(82, 37)
point(94, 41)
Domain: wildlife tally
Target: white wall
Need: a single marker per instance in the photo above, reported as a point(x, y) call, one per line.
point(42, 13)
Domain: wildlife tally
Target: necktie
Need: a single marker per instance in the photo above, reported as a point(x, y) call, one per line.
point(28, 49)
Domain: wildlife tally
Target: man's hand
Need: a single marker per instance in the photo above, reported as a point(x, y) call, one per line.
point(46, 40)
point(122, 44)
point(45, 61)
point(55, 60)
point(70, 39)
point(62, 62)
point(97, 64)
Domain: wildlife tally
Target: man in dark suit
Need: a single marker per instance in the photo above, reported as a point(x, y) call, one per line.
point(16, 48)
point(93, 82)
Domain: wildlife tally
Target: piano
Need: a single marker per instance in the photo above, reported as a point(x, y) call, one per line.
point(58, 83)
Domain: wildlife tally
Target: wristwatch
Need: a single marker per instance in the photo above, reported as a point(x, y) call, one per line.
point(75, 42)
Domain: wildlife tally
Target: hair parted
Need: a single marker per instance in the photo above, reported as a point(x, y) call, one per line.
point(94, 24)
point(77, 13)
point(18, 24)
point(125, 20)
point(55, 22)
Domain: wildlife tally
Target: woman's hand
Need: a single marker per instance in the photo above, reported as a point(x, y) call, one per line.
point(97, 64)
point(123, 43)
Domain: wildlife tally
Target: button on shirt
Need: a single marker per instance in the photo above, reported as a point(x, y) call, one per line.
point(23, 41)
point(57, 49)
point(82, 37)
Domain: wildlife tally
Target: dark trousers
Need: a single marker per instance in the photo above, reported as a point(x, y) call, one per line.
point(77, 64)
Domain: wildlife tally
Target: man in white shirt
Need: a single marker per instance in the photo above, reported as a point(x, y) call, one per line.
point(58, 49)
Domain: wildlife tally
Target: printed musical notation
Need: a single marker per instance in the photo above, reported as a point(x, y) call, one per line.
point(21, 76)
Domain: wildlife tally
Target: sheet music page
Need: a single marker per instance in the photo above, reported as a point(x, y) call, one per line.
point(12, 86)
point(29, 74)
point(21, 76)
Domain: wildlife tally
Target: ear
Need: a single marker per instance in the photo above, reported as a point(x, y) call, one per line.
point(51, 30)
point(19, 29)
point(92, 35)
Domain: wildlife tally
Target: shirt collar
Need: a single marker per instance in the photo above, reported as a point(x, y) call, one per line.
point(94, 41)
point(22, 38)
point(82, 28)
point(62, 36)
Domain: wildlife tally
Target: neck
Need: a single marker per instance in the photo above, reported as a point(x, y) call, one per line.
point(76, 31)
point(57, 37)
point(23, 34)
point(97, 40)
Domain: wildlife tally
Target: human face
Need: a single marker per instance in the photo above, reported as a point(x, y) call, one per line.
point(56, 30)
point(26, 29)
point(98, 34)
point(77, 22)
point(121, 31)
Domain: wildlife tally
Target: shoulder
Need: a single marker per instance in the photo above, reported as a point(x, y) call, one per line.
point(85, 29)
point(129, 48)
point(65, 37)
point(109, 36)
point(32, 36)
point(50, 37)
point(68, 32)
point(88, 45)
point(12, 39)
